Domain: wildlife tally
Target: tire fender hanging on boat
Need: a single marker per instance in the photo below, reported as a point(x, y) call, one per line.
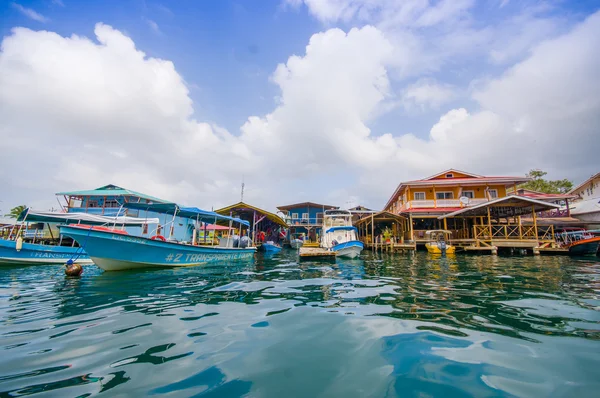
point(159, 237)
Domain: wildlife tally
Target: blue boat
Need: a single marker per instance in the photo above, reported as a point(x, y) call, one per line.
point(270, 247)
point(12, 253)
point(115, 252)
point(22, 248)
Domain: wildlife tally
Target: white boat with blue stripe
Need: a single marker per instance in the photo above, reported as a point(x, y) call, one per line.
point(35, 240)
point(339, 235)
point(116, 252)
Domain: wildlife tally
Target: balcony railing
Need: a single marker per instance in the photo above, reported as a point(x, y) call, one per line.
point(432, 204)
point(304, 221)
point(517, 232)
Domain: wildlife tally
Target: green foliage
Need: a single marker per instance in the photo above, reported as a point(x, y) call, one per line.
point(538, 183)
point(15, 211)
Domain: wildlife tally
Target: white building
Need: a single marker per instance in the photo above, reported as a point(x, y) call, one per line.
point(586, 206)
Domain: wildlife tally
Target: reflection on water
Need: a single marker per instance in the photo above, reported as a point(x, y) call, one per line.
point(382, 325)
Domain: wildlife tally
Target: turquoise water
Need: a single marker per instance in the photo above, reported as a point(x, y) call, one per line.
point(380, 326)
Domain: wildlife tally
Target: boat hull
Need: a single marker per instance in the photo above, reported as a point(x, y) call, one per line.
point(585, 247)
point(296, 243)
point(351, 249)
point(115, 252)
point(270, 248)
point(36, 254)
point(434, 249)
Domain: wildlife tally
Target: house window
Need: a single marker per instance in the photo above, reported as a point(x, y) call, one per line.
point(419, 195)
point(305, 216)
point(294, 216)
point(92, 203)
point(493, 193)
point(111, 203)
point(468, 194)
point(449, 175)
point(444, 195)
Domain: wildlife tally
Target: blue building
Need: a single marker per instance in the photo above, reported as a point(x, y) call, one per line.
point(305, 218)
point(107, 201)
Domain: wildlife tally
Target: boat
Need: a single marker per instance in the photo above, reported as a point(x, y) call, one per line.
point(295, 241)
point(339, 235)
point(33, 242)
point(270, 247)
point(115, 252)
point(437, 242)
point(579, 241)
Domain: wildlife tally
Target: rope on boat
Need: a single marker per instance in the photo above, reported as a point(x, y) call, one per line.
point(78, 253)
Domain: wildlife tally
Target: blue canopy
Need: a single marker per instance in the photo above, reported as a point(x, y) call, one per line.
point(185, 212)
point(347, 228)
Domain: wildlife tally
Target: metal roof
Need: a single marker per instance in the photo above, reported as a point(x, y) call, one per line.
point(508, 206)
point(306, 204)
point(112, 190)
point(242, 207)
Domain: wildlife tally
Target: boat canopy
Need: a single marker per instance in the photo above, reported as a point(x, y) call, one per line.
point(343, 228)
point(508, 206)
point(30, 215)
point(185, 212)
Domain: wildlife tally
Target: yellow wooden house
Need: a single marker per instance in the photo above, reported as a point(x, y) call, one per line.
point(423, 201)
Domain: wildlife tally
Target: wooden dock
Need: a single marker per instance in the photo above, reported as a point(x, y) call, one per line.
point(391, 247)
point(316, 253)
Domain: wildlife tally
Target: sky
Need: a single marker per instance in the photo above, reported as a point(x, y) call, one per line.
point(328, 101)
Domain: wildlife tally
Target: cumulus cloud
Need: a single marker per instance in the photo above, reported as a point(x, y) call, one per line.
point(84, 113)
point(88, 113)
point(427, 93)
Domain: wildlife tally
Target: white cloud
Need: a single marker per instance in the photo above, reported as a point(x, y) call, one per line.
point(58, 3)
point(427, 93)
point(153, 25)
point(88, 113)
point(29, 13)
point(92, 99)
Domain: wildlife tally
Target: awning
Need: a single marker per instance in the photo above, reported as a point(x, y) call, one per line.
point(345, 228)
point(185, 212)
point(382, 216)
point(509, 206)
point(247, 211)
point(83, 218)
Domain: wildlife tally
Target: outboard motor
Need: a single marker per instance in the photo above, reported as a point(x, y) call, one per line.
point(244, 242)
point(442, 246)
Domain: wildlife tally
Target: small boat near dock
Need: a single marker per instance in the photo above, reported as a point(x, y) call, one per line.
point(270, 247)
point(438, 242)
point(339, 235)
point(579, 241)
point(115, 252)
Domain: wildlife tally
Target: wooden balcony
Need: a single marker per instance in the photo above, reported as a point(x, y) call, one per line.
point(439, 203)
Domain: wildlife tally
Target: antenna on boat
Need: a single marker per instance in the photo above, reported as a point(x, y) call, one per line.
point(242, 199)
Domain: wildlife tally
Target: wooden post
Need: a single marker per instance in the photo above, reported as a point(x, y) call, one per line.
point(489, 222)
point(410, 222)
point(445, 224)
point(372, 230)
point(534, 221)
point(520, 228)
point(434, 198)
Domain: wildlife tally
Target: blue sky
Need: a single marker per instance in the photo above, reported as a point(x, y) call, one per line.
point(389, 90)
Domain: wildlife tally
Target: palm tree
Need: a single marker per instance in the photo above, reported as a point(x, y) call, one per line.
point(16, 211)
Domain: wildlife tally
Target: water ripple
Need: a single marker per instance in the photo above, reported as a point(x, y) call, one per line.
point(381, 325)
